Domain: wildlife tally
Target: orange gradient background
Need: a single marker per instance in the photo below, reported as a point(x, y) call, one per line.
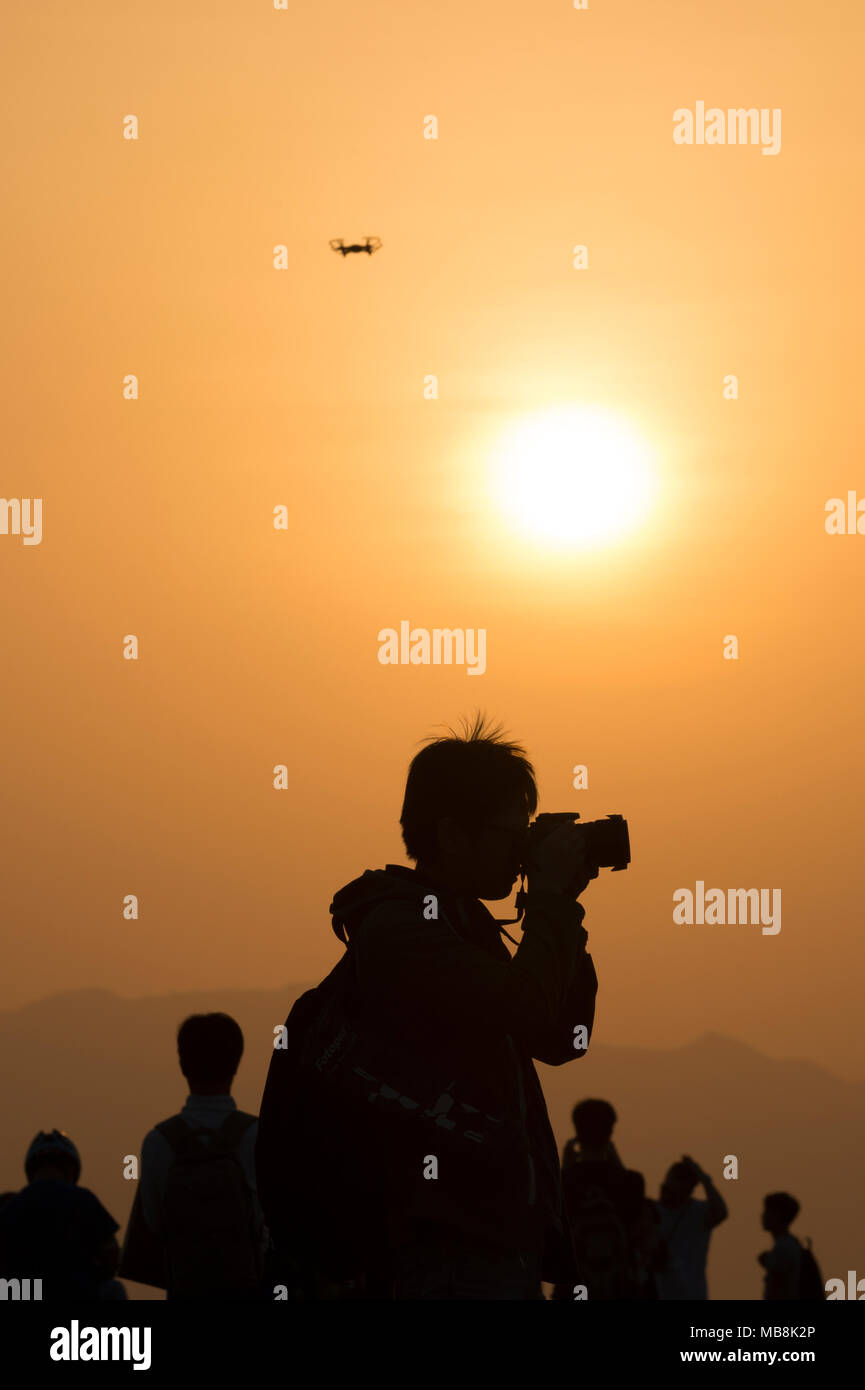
point(305, 387)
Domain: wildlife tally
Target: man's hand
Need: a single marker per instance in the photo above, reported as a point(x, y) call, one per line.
point(716, 1210)
point(558, 863)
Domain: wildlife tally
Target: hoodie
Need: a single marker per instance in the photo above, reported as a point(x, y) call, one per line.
point(439, 983)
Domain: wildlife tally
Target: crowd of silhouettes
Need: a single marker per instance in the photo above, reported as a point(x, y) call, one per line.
point(403, 1150)
point(197, 1229)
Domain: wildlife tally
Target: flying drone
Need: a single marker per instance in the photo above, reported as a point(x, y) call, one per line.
point(371, 244)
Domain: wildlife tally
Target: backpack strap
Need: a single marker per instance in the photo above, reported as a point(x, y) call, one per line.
point(232, 1130)
point(182, 1138)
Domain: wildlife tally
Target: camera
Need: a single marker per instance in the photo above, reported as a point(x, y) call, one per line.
point(606, 843)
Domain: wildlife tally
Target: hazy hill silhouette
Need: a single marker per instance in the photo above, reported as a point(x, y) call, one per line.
point(105, 1069)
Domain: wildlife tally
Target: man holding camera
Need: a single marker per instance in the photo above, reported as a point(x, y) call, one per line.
point(469, 1183)
point(686, 1225)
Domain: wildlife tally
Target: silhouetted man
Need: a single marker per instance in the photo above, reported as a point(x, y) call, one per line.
point(56, 1231)
point(686, 1225)
point(196, 1228)
point(604, 1202)
point(450, 1156)
point(792, 1272)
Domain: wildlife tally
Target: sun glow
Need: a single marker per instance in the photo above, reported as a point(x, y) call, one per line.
point(574, 475)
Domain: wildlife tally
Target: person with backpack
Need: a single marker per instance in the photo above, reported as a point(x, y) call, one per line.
point(404, 1148)
point(196, 1198)
point(56, 1231)
point(650, 1253)
point(604, 1205)
point(792, 1272)
point(686, 1225)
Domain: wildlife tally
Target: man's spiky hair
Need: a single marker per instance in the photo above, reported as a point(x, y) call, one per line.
point(468, 775)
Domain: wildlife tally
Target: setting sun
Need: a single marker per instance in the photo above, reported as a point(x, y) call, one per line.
point(574, 475)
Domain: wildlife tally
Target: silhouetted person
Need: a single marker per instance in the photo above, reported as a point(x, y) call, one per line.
point(424, 1166)
point(650, 1251)
point(792, 1273)
point(604, 1202)
point(196, 1229)
point(686, 1225)
point(56, 1231)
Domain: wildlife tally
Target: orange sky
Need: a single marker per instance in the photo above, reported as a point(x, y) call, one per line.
point(305, 387)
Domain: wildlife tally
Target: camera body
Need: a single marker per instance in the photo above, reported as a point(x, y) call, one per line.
point(606, 842)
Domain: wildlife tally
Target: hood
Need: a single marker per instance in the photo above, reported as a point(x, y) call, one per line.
point(352, 903)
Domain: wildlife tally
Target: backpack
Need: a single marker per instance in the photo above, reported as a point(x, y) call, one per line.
point(283, 1173)
point(601, 1245)
point(811, 1285)
point(346, 1118)
point(209, 1227)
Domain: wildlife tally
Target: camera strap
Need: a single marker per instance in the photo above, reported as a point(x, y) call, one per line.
point(520, 904)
